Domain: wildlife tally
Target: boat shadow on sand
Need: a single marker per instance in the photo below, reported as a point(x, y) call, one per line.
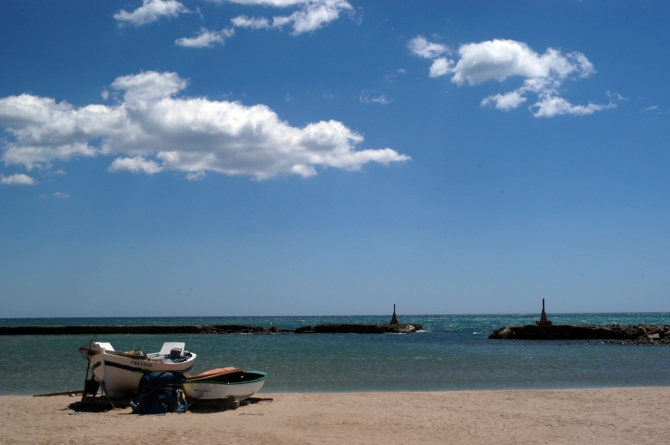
point(103, 404)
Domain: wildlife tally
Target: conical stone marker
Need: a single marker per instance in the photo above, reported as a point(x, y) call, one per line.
point(394, 320)
point(544, 321)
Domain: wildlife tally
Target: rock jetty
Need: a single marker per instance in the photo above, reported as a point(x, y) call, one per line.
point(544, 329)
point(381, 328)
point(144, 329)
point(632, 334)
point(209, 329)
point(393, 327)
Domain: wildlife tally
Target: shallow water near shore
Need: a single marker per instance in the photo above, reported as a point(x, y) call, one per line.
point(453, 353)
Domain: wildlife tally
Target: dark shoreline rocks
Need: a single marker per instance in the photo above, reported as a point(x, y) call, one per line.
point(137, 329)
point(208, 329)
point(391, 328)
point(632, 334)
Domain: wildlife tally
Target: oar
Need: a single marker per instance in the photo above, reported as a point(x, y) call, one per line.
point(64, 393)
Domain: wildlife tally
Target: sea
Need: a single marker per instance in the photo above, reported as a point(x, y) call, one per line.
point(452, 353)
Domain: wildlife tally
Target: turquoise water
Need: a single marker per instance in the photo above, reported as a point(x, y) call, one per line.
point(453, 353)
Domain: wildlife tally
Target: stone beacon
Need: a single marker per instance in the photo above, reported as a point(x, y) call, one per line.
point(544, 321)
point(394, 319)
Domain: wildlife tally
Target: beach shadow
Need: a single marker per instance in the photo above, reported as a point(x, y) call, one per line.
point(219, 405)
point(98, 404)
point(102, 405)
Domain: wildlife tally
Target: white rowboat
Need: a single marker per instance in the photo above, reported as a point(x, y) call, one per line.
point(239, 384)
point(119, 372)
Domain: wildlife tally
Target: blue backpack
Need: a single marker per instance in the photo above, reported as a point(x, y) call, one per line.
point(160, 393)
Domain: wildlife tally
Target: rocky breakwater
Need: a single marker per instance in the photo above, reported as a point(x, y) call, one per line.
point(336, 328)
point(394, 327)
point(145, 329)
point(641, 334)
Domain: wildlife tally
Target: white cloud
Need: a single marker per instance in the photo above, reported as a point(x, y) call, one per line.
point(498, 60)
point(251, 22)
point(136, 164)
point(151, 130)
point(505, 101)
point(550, 106)
point(206, 38)
point(653, 107)
point(310, 15)
point(392, 76)
point(440, 67)
point(148, 87)
point(39, 155)
point(371, 96)
point(58, 195)
point(150, 11)
point(429, 50)
point(17, 179)
point(616, 96)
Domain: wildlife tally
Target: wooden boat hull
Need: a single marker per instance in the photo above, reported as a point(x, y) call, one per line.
point(121, 375)
point(241, 386)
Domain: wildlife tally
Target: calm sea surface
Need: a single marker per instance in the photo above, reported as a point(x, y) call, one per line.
point(453, 353)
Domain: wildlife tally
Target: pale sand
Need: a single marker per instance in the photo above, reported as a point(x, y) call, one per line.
point(589, 416)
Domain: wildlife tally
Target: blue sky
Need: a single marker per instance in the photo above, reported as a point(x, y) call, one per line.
point(294, 157)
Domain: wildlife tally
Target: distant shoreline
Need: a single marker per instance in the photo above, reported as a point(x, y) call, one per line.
point(270, 317)
point(340, 328)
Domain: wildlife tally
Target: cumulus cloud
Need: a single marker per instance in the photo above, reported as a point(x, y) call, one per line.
point(309, 16)
point(151, 130)
point(251, 22)
point(392, 76)
point(507, 101)
point(371, 96)
point(136, 164)
point(206, 38)
point(440, 67)
point(500, 59)
point(429, 50)
point(17, 179)
point(550, 106)
point(497, 60)
point(57, 195)
point(150, 11)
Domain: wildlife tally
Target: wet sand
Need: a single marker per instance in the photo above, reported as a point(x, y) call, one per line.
point(583, 416)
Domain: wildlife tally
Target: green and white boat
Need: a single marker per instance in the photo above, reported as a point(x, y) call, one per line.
point(223, 383)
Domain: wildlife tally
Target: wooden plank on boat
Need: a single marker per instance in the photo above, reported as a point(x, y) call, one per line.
point(215, 373)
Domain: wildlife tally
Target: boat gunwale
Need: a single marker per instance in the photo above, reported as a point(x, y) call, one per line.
point(208, 382)
point(124, 362)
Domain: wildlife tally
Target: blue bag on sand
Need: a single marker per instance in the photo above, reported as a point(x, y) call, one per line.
point(160, 393)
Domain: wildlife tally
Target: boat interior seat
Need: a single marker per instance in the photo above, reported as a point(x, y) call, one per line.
point(170, 345)
point(100, 344)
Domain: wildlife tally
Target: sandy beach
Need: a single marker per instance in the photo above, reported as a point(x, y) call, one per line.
point(605, 416)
